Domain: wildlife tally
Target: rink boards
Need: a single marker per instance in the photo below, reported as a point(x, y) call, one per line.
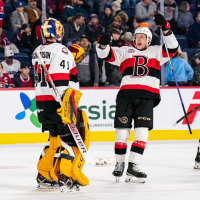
point(19, 123)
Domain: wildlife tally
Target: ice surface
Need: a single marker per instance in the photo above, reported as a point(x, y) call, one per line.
point(168, 164)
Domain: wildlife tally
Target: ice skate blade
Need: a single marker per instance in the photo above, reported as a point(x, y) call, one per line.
point(134, 179)
point(197, 165)
point(117, 179)
point(44, 186)
point(69, 189)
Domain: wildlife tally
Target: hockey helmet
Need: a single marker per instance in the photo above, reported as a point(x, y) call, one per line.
point(143, 30)
point(52, 28)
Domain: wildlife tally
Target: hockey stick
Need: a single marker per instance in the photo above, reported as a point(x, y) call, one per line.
point(187, 115)
point(74, 131)
point(176, 81)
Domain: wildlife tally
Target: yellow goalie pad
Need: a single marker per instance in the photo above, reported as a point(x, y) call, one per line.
point(45, 164)
point(77, 52)
point(69, 109)
point(59, 157)
point(78, 162)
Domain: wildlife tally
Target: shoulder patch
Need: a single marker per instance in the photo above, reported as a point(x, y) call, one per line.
point(65, 50)
point(131, 51)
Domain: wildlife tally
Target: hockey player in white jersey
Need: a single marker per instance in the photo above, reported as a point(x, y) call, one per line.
point(61, 161)
point(139, 92)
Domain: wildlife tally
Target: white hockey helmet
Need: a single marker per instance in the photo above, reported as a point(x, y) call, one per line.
point(143, 30)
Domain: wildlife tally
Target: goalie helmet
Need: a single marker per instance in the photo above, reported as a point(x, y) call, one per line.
point(143, 30)
point(52, 28)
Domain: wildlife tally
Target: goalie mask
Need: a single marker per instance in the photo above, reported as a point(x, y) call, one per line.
point(143, 30)
point(52, 28)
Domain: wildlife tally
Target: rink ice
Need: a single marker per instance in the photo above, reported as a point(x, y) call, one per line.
point(168, 164)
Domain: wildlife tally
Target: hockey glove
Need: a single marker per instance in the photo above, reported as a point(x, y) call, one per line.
point(77, 52)
point(104, 39)
point(161, 21)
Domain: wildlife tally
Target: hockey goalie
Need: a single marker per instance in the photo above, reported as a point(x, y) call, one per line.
point(61, 162)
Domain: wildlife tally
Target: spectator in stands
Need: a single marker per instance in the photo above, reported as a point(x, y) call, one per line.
point(24, 78)
point(145, 10)
point(50, 8)
point(185, 18)
point(182, 55)
point(115, 33)
point(33, 12)
point(18, 17)
point(5, 80)
point(99, 3)
point(193, 33)
point(116, 7)
point(74, 30)
point(107, 17)
point(183, 72)
point(1, 13)
point(106, 3)
point(76, 7)
point(63, 4)
point(88, 69)
point(136, 24)
point(36, 37)
point(155, 38)
point(128, 40)
point(124, 18)
point(10, 65)
point(170, 14)
point(7, 45)
point(94, 29)
point(117, 24)
point(24, 38)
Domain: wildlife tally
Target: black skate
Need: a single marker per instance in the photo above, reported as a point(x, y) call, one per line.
point(44, 183)
point(197, 160)
point(67, 184)
point(118, 171)
point(134, 174)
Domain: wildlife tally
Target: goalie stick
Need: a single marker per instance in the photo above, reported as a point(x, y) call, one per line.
point(74, 131)
point(186, 114)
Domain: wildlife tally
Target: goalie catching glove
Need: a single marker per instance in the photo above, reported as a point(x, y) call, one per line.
point(77, 52)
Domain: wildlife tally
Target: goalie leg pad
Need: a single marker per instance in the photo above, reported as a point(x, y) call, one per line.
point(45, 163)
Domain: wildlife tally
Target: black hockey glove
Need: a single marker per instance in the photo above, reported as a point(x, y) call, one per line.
point(161, 21)
point(104, 39)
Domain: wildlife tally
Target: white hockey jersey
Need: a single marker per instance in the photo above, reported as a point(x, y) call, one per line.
point(140, 69)
point(11, 69)
point(62, 69)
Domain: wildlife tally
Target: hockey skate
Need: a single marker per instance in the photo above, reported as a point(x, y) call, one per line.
point(44, 183)
point(134, 174)
point(197, 160)
point(118, 171)
point(67, 184)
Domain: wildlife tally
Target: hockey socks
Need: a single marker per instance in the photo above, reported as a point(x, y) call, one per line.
point(137, 149)
point(120, 151)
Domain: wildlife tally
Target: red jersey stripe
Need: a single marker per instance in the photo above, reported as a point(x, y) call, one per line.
point(58, 77)
point(73, 71)
point(130, 62)
point(164, 54)
point(112, 59)
point(140, 87)
point(45, 98)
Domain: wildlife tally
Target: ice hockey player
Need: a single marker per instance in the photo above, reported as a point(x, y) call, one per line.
point(61, 162)
point(197, 159)
point(139, 92)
